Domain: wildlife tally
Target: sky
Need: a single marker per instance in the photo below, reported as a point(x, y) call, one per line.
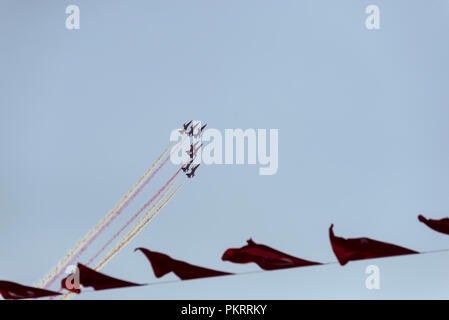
point(363, 139)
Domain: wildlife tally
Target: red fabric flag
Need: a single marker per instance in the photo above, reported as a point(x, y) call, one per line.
point(163, 264)
point(441, 225)
point(91, 278)
point(265, 257)
point(363, 248)
point(14, 291)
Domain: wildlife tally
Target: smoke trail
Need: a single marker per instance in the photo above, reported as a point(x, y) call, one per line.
point(69, 294)
point(132, 233)
point(102, 222)
point(104, 225)
point(169, 183)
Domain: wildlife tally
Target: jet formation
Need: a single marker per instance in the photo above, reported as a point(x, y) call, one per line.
point(193, 147)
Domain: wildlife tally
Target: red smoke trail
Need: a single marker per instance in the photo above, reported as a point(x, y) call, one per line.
point(125, 205)
point(94, 230)
point(134, 217)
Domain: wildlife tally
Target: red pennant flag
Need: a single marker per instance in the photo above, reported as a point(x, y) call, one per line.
point(163, 264)
point(14, 291)
point(441, 225)
point(91, 278)
point(363, 248)
point(265, 257)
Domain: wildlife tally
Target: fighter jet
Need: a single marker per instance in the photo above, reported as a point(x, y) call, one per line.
point(192, 147)
point(200, 131)
point(187, 166)
point(193, 150)
point(191, 174)
point(192, 128)
point(185, 125)
point(193, 154)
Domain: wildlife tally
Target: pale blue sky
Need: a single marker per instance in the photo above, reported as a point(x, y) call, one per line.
point(363, 137)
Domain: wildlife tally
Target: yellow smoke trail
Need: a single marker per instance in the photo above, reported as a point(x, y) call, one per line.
point(92, 232)
point(136, 230)
point(138, 227)
point(147, 213)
